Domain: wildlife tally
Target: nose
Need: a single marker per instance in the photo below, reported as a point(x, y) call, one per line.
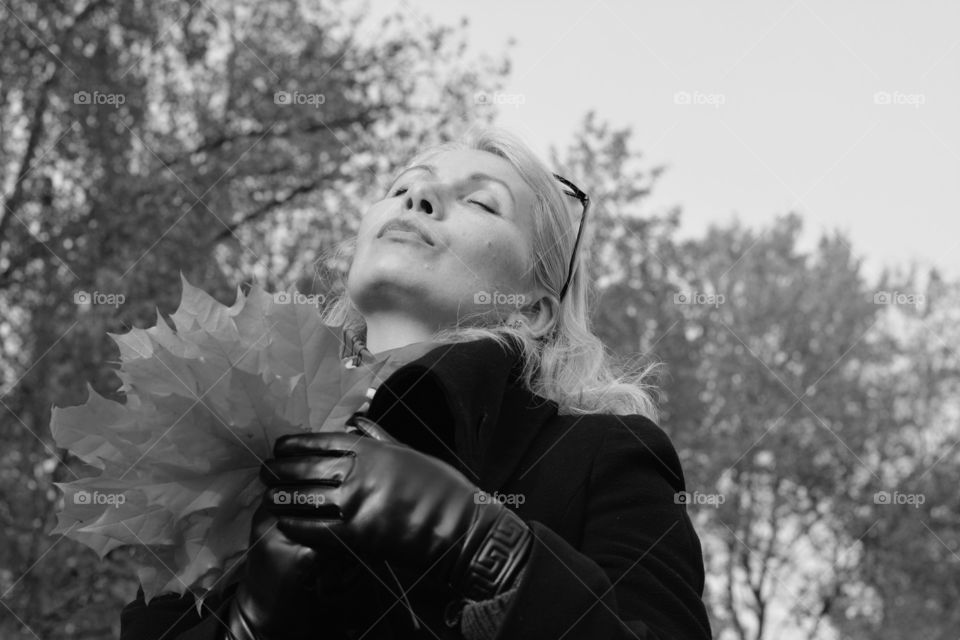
point(422, 197)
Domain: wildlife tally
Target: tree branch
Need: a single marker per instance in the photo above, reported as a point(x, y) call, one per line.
point(13, 203)
point(36, 131)
point(364, 118)
point(264, 209)
point(734, 616)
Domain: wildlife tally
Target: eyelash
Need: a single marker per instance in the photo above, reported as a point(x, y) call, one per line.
point(480, 204)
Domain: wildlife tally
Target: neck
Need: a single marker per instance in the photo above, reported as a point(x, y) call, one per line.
point(390, 330)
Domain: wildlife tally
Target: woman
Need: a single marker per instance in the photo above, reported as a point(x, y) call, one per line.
point(507, 484)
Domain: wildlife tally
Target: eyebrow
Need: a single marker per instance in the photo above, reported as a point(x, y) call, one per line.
point(432, 170)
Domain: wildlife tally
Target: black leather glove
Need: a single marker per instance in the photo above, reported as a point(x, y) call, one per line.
point(395, 504)
point(282, 593)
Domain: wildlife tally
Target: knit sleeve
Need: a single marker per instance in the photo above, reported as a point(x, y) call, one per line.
point(481, 620)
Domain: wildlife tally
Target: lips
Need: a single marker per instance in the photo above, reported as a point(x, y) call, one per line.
point(403, 224)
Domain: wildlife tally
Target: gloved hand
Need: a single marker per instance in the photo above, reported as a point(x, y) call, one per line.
point(282, 593)
point(395, 504)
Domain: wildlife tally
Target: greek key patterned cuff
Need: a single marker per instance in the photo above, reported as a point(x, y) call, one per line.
point(493, 554)
point(481, 620)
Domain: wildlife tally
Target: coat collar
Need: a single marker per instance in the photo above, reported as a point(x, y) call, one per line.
point(494, 416)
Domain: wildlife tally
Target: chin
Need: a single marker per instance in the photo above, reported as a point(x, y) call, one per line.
point(377, 290)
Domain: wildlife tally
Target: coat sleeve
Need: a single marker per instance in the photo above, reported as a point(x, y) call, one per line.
point(639, 570)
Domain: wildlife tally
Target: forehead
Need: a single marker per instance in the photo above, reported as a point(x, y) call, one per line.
point(463, 161)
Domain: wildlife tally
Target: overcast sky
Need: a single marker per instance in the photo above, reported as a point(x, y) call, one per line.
point(844, 112)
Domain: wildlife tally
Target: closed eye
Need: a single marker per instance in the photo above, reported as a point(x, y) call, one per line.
point(488, 208)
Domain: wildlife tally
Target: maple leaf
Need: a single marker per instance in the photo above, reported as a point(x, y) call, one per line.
point(205, 401)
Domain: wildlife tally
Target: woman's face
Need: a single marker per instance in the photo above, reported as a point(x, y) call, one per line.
point(476, 212)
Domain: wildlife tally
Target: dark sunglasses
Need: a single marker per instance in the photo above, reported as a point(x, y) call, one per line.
point(574, 190)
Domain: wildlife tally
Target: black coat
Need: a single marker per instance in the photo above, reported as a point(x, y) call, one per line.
point(614, 555)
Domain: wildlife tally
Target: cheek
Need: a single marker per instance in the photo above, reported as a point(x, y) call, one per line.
point(369, 226)
point(504, 259)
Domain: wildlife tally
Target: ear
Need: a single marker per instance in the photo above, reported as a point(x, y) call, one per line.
point(539, 316)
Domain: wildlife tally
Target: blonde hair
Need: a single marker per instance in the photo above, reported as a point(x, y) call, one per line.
point(570, 365)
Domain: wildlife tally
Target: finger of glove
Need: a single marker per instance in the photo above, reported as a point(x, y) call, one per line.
point(276, 561)
point(280, 568)
point(263, 521)
point(332, 443)
point(316, 534)
point(309, 469)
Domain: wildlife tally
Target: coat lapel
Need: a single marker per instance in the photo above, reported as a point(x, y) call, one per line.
point(494, 418)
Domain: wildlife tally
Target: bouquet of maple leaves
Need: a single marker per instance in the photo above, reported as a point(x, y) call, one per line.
point(179, 461)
